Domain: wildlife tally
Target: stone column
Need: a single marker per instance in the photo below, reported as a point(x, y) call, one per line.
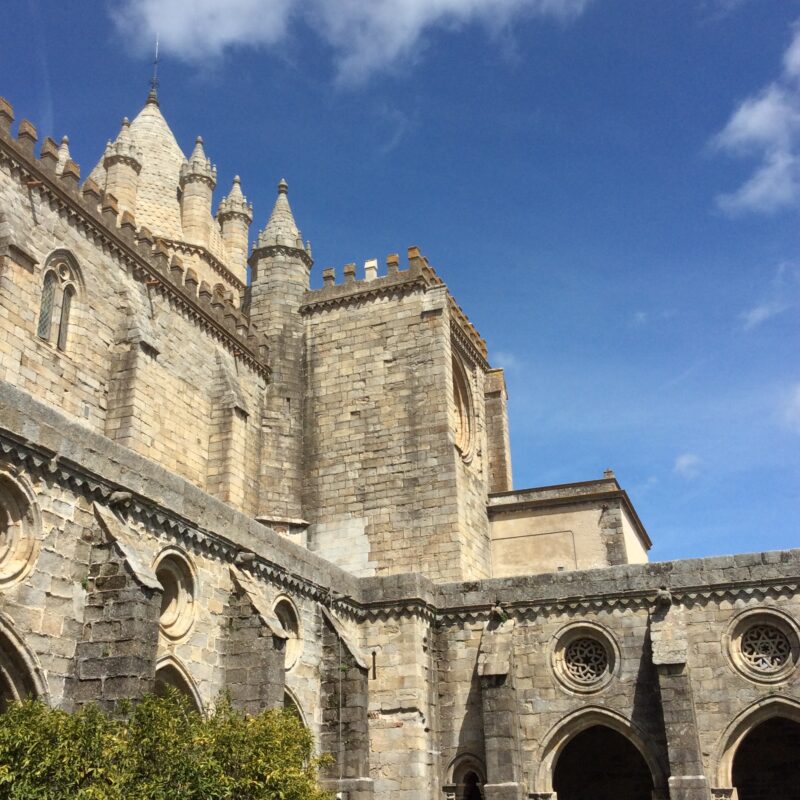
point(687, 780)
point(500, 711)
point(115, 660)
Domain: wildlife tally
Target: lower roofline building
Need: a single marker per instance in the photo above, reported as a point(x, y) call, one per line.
point(303, 497)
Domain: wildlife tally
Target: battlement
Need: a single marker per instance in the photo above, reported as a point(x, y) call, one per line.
point(97, 213)
point(417, 273)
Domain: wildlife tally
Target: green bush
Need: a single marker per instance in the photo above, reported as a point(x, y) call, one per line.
point(160, 750)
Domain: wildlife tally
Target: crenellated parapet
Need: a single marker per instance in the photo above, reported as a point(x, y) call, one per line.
point(100, 217)
point(395, 280)
point(417, 274)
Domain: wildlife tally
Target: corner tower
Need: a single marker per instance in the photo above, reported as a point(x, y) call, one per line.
point(281, 266)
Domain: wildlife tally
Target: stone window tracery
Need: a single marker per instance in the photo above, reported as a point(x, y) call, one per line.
point(176, 576)
point(763, 645)
point(59, 289)
point(765, 648)
point(586, 660)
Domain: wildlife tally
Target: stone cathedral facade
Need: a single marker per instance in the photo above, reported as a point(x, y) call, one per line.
point(303, 497)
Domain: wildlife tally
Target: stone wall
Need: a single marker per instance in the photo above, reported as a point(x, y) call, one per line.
point(141, 355)
point(385, 487)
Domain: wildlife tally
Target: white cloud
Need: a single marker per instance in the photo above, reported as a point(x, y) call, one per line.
point(761, 313)
point(505, 360)
point(200, 29)
point(687, 465)
point(791, 410)
point(782, 294)
point(365, 35)
point(767, 125)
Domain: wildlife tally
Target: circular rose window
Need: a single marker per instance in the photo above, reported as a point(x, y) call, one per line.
point(20, 527)
point(763, 645)
point(584, 657)
point(290, 622)
point(176, 576)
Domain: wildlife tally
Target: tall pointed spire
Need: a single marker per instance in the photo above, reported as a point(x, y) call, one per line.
point(281, 229)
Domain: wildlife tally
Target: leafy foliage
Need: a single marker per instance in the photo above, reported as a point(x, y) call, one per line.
point(161, 750)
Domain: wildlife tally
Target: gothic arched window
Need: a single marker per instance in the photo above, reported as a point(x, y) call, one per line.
point(59, 288)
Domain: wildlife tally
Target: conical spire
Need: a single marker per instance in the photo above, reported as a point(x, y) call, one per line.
point(281, 228)
point(235, 203)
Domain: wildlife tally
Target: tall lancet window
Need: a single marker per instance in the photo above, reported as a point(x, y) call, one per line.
point(46, 309)
point(59, 290)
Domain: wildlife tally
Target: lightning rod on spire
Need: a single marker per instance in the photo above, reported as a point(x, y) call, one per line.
point(153, 96)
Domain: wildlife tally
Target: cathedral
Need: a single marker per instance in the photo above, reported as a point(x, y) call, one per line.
point(218, 478)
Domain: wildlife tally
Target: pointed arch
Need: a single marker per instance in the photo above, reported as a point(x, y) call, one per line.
point(762, 710)
point(171, 673)
point(559, 736)
point(21, 675)
point(291, 703)
point(463, 763)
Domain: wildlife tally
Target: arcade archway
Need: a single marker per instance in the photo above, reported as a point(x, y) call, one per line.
point(600, 763)
point(766, 764)
point(171, 674)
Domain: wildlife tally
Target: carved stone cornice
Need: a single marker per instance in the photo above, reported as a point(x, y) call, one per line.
point(49, 465)
point(118, 158)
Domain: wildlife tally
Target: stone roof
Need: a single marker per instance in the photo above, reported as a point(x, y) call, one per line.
point(157, 205)
point(281, 228)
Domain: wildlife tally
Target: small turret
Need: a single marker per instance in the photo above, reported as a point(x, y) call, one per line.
point(234, 216)
point(123, 163)
point(280, 267)
point(63, 155)
point(198, 179)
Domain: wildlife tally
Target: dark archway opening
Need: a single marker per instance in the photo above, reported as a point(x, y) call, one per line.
point(767, 762)
point(601, 764)
point(471, 789)
point(170, 677)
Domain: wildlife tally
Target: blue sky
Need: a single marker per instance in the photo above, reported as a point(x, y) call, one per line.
point(610, 188)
